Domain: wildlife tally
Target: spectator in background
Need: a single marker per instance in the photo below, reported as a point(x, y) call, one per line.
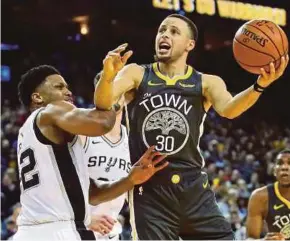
point(9, 190)
point(9, 226)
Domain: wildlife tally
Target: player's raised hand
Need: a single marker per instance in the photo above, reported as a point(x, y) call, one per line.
point(265, 79)
point(146, 167)
point(274, 236)
point(114, 61)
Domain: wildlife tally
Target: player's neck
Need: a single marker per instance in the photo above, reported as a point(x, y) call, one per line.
point(284, 191)
point(172, 69)
point(115, 134)
point(34, 107)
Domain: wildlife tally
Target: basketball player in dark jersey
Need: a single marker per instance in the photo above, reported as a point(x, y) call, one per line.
point(168, 110)
point(55, 184)
point(272, 204)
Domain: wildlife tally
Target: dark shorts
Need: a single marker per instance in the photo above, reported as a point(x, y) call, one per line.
point(177, 205)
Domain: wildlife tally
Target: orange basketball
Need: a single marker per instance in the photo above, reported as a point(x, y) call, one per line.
point(257, 43)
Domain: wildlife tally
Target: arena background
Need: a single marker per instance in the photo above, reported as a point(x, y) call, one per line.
point(75, 36)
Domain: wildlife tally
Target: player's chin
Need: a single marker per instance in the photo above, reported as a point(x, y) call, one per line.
point(284, 182)
point(162, 58)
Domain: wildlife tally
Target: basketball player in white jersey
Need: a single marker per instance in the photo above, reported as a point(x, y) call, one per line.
point(54, 180)
point(108, 160)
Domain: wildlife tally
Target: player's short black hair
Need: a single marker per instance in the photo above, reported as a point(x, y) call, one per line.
point(97, 78)
point(191, 25)
point(31, 80)
point(285, 151)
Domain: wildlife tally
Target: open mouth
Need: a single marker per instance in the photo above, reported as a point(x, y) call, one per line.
point(70, 100)
point(164, 47)
point(284, 175)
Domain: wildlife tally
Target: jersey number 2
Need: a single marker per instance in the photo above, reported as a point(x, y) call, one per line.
point(28, 179)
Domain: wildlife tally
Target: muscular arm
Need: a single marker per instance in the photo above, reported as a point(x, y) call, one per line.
point(106, 192)
point(223, 102)
point(216, 92)
point(77, 121)
point(257, 208)
point(109, 92)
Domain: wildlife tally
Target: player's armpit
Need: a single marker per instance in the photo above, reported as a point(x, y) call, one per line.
point(256, 209)
point(78, 121)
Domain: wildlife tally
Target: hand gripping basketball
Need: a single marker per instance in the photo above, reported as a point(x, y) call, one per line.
point(265, 79)
point(261, 47)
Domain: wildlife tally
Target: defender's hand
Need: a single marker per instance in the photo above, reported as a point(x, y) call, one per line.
point(274, 236)
point(146, 167)
point(102, 224)
point(265, 79)
point(114, 62)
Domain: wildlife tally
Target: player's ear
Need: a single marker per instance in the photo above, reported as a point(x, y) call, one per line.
point(36, 98)
point(191, 45)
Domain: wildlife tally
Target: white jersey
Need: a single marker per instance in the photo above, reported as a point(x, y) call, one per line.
point(108, 162)
point(53, 178)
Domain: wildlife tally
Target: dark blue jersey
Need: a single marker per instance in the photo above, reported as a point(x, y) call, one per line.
point(168, 113)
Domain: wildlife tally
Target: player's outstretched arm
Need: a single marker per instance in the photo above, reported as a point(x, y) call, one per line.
point(142, 171)
point(77, 121)
point(231, 107)
point(256, 212)
point(112, 64)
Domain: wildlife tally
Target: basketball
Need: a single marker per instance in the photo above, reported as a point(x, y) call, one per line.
point(257, 43)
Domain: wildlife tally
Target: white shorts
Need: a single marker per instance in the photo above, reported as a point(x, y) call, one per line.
point(114, 237)
point(65, 230)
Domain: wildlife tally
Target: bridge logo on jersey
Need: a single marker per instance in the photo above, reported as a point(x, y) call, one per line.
point(167, 128)
point(283, 223)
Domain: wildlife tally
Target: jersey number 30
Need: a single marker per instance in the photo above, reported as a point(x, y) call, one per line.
point(29, 176)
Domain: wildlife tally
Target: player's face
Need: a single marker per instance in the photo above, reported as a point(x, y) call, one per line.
point(54, 88)
point(173, 40)
point(282, 169)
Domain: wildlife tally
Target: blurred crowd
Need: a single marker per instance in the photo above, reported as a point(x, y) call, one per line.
point(240, 158)
point(239, 155)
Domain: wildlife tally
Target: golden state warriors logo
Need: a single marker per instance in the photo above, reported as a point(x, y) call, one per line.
point(167, 128)
point(286, 231)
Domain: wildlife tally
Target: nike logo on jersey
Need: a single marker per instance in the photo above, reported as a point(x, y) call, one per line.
point(96, 142)
point(151, 83)
point(205, 184)
point(186, 85)
point(276, 207)
point(112, 236)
